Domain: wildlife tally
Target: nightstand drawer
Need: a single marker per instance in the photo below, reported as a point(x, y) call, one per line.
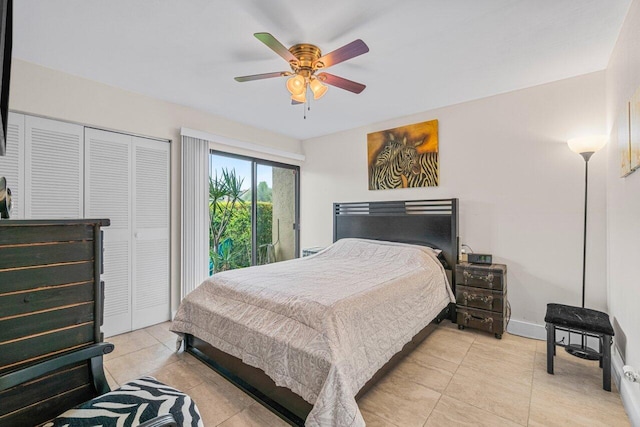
point(481, 319)
point(484, 299)
point(488, 277)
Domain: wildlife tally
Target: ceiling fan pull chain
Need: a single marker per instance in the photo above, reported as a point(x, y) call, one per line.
point(307, 101)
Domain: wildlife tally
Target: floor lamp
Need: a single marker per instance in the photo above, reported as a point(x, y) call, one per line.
point(586, 147)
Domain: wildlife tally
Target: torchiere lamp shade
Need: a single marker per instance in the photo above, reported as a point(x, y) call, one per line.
point(587, 144)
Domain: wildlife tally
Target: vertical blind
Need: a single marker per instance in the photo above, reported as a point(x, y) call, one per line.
point(194, 213)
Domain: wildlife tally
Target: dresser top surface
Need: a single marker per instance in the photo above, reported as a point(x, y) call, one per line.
point(29, 222)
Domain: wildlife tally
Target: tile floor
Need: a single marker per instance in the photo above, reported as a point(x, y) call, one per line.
point(453, 378)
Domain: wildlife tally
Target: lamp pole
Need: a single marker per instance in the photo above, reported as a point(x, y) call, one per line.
point(587, 155)
point(586, 147)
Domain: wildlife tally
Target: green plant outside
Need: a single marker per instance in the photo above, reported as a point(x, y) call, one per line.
point(237, 254)
point(230, 221)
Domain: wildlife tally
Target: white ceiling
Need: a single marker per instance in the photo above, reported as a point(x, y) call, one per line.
point(423, 53)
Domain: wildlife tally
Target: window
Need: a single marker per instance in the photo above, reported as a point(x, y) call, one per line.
point(254, 211)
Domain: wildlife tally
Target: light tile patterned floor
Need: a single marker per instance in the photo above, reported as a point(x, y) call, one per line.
point(453, 378)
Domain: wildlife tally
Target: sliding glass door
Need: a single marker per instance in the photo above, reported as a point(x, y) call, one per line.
point(253, 211)
point(230, 206)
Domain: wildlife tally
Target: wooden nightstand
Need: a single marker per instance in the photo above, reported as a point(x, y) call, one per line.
point(481, 297)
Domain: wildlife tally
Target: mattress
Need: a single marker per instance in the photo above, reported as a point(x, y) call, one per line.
point(322, 325)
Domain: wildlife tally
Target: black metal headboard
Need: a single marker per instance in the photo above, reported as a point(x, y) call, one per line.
point(431, 223)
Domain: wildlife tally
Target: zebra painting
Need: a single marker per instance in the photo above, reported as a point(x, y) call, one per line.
point(404, 157)
point(393, 165)
point(428, 176)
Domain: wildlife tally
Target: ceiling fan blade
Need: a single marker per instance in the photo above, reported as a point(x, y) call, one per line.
point(294, 102)
point(348, 51)
point(276, 46)
point(262, 76)
point(341, 82)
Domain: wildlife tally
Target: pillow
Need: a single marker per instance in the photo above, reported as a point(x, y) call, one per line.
point(442, 259)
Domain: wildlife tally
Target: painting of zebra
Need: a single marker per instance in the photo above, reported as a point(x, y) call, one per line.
point(404, 157)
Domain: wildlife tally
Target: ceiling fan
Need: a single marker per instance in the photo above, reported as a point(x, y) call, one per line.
point(305, 60)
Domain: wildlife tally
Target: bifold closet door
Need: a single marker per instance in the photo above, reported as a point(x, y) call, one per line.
point(108, 195)
point(54, 173)
point(151, 303)
point(127, 181)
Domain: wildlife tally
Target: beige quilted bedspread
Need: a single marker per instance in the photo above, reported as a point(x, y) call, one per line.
point(324, 324)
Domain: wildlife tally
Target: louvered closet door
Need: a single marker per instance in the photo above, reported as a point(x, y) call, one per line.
point(12, 164)
point(108, 195)
point(54, 169)
point(151, 302)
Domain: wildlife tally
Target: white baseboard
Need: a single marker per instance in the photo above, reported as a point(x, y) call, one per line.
point(629, 392)
point(526, 329)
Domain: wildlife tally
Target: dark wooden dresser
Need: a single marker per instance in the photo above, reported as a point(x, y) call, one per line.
point(481, 297)
point(50, 304)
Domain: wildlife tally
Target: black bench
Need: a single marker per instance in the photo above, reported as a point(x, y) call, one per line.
point(587, 323)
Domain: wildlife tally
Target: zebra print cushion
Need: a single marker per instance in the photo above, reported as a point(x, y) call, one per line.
point(133, 403)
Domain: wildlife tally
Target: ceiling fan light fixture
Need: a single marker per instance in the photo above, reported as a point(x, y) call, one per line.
point(296, 84)
point(317, 88)
point(305, 60)
point(299, 97)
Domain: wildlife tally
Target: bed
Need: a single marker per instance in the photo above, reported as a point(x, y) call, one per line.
point(308, 337)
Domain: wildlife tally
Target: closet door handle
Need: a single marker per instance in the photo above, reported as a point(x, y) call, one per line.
point(137, 235)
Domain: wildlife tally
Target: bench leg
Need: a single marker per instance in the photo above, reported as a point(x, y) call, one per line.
point(551, 346)
point(606, 362)
point(601, 350)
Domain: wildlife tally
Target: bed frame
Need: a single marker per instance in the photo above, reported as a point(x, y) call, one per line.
point(431, 223)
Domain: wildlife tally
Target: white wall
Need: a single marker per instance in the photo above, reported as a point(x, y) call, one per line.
point(43, 91)
point(520, 187)
point(623, 197)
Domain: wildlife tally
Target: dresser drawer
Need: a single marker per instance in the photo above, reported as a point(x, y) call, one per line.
point(483, 320)
point(484, 299)
point(488, 277)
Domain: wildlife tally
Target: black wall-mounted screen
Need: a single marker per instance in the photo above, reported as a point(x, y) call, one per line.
point(6, 36)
